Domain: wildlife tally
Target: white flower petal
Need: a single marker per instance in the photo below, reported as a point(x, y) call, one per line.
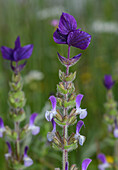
point(28, 161)
point(35, 129)
point(81, 139)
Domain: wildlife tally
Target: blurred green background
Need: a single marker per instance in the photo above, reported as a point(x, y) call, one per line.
point(31, 20)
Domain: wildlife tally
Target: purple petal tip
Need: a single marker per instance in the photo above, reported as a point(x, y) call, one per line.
point(86, 163)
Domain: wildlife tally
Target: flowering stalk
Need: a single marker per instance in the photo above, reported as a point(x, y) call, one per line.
point(111, 120)
point(63, 112)
point(16, 99)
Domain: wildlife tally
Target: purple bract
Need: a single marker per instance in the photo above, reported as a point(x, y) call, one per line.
point(67, 33)
point(108, 82)
point(18, 53)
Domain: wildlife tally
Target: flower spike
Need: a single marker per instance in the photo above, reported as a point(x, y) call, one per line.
point(27, 160)
point(35, 129)
point(104, 164)
point(2, 128)
point(8, 155)
point(86, 163)
point(51, 135)
point(79, 137)
point(49, 114)
point(81, 112)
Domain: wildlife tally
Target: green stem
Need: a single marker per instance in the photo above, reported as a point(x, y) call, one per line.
point(116, 154)
point(17, 140)
point(65, 128)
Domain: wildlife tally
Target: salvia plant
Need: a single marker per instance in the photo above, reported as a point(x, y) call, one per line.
point(111, 120)
point(16, 157)
point(66, 105)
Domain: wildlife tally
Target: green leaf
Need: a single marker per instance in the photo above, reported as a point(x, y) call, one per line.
point(71, 77)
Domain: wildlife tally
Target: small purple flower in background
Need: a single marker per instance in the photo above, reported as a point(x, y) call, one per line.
point(2, 128)
point(54, 22)
point(86, 163)
point(34, 129)
point(27, 160)
point(116, 130)
point(8, 155)
point(17, 54)
point(79, 137)
point(108, 82)
point(81, 112)
point(67, 33)
point(49, 114)
point(51, 135)
point(104, 164)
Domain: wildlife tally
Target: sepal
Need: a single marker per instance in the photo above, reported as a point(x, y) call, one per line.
point(16, 87)
point(59, 102)
point(70, 103)
point(73, 167)
point(71, 147)
point(19, 117)
point(61, 89)
point(70, 88)
point(63, 77)
point(17, 99)
point(57, 141)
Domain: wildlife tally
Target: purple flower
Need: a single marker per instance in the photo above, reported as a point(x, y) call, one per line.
point(2, 128)
point(27, 160)
point(81, 112)
point(34, 129)
point(17, 54)
point(49, 114)
point(86, 163)
point(67, 33)
point(116, 130)
point(66, 167)
point(104, 164)
point(108, 82)
point(79, 137)
point(51, 135)
point(8, 155)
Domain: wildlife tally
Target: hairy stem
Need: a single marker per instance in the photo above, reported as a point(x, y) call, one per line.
point(17, 129)
point(65, 128)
